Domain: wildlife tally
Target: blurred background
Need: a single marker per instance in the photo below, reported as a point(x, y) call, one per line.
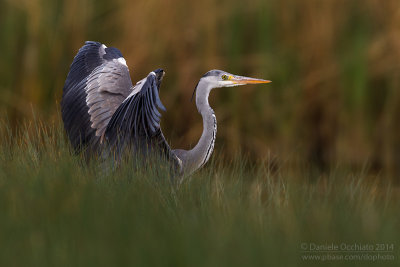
point(335, 67)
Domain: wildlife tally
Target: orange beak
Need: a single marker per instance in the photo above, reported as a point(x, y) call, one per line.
point(247, 80)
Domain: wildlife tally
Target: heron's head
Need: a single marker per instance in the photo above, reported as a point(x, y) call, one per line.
point(219, 78)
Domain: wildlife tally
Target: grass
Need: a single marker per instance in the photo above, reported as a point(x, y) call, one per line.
point(334, 65)
point(334, 98)
point(57, 211)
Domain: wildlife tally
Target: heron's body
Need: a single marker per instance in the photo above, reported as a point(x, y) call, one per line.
point(102, 109)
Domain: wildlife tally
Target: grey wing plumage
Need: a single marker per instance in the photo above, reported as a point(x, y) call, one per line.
point(98, 82)
point(136, 122)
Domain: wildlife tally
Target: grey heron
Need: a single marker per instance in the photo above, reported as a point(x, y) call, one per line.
point(101, 107)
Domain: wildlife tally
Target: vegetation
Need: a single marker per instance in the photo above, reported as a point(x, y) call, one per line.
point(334, 64)
point(312, 157)
point(57, 211)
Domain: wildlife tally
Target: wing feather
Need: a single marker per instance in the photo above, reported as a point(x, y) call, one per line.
point(97, 83)
point(99, 102)
point(136, 122)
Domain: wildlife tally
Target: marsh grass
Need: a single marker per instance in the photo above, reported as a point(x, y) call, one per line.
point(56, 210)
point(334, 98)
point(334, 64)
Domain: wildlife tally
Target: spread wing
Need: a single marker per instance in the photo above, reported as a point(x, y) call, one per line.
point(136, 122)
point(97, 83)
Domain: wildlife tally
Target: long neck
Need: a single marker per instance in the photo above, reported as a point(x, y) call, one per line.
point(200, 154)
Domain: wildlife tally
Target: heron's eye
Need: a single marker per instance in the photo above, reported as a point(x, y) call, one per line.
point(224, 77)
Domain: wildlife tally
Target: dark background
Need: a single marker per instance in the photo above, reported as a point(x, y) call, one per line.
point(334, 64)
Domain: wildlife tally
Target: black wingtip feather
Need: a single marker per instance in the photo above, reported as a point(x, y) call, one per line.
point(137, 119)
